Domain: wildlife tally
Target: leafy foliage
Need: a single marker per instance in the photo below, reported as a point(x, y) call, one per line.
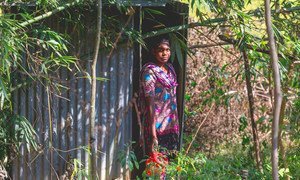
point(127, 157)
point(244, 28)
point(14, 131)
point(45, 52)
point(230, 162)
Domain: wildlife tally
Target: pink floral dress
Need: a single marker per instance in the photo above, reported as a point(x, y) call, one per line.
point(156, 83)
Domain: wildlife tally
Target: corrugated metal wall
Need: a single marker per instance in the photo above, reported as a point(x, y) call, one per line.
point(62, 122)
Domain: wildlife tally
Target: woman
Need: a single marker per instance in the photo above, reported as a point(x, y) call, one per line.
point(158, 101)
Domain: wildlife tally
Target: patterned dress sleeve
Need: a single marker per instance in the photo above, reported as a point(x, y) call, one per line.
point(148, 83)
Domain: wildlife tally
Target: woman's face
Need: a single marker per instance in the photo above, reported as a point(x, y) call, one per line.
point(162, 53)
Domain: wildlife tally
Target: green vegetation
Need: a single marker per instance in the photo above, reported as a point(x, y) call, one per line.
point(238, 23)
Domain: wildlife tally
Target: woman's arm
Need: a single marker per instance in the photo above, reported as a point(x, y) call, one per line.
point(150, 104)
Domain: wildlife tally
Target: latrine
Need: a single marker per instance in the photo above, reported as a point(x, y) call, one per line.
point(62, 121)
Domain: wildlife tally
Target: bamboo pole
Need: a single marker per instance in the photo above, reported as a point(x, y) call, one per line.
point(209, 22)
point(50, 130)
point(92, 144)
point(50, 13)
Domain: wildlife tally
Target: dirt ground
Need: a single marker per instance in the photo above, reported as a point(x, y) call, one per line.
point(216, 95)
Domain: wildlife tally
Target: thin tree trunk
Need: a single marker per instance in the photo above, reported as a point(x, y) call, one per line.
point(277, 90)
point(92, 144)
point(281, 120)
point(251, 111)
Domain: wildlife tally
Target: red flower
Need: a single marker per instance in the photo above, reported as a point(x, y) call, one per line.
point(156, 164)
point(159, 158)
point(148, 173)
point(148, 161)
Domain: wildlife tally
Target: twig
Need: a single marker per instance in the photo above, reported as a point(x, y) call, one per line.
point(69, 150)
point(142, 140)
point(208, 45)
point(230, 52)
point(118, 39)
point(25, 4)
point(52, 168)
point(199, 129)
point(297, 62)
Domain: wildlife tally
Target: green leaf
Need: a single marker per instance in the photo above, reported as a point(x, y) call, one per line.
point(153, 11)
point(193, 84)
point(187, 97)
point(261, 119)
point(179, 54)
point(98, 78)
point(136, 164)
point(243, 123)
point(130, 165)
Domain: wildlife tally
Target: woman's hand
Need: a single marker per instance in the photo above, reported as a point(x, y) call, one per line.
point(154, 144)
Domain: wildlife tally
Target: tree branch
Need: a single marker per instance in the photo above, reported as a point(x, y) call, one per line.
point(48, 14)
point(248, 46)
point(118, 38)
point(25, 4)
point(209, 22)
point(195, 135)
point(208, 45)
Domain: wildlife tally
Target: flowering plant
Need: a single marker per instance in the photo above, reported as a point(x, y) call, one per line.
point(156, 165)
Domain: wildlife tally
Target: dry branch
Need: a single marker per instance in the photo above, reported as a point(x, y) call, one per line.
point(195, 135)
point(208, 45)
point(118, 39)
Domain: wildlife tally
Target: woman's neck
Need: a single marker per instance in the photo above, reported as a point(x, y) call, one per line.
point(162, 66)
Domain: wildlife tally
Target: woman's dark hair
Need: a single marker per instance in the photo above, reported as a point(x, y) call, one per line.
point(159, 40)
